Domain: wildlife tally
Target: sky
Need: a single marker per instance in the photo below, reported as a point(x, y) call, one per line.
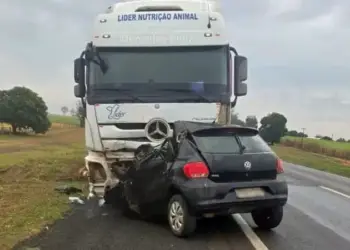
point(298, 54)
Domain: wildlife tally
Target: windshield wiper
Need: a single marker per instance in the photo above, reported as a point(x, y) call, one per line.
point(242, 148)
point(90, 53)
point(135, 98)
point(103, 65)
point(203, 98)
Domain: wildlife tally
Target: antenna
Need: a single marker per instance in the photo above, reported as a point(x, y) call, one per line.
point(209, 21)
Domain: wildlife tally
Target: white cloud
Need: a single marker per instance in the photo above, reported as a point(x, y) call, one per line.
point(327, 21)
point(277, 7)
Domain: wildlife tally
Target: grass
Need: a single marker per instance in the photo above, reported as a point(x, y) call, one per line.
point(324, 147)
point(313, 160)
point(30, 168)
point(323, 143)
point(63, 119)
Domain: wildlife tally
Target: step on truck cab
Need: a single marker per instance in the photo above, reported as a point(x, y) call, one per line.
point(149, 64)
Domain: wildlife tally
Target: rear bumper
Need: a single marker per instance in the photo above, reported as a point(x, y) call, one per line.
point(205, 196)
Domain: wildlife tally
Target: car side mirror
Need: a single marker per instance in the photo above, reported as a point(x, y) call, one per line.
point(79, 77)
point(240, 75)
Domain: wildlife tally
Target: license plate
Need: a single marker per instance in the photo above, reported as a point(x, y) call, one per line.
point(249, 192)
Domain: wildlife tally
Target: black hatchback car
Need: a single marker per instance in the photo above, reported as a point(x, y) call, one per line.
point(206, 170)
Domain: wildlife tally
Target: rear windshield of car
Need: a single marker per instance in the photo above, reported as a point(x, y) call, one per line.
point(226, 142)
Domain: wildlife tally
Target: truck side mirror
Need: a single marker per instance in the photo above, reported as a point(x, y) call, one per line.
point(78, 91)
point(79, 70)
point(240, 75)
point(79, 77)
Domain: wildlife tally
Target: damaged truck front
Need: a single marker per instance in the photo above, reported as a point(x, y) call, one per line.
point(151, 63)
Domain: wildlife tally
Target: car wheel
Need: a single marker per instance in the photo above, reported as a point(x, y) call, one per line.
point(181, 222)
point(268, 218)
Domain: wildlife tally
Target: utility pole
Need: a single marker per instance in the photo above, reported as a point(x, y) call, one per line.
point(302, 138)
point(223, 114)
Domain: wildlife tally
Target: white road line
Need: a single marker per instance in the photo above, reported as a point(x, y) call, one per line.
point(335, 191)
point(251, 235)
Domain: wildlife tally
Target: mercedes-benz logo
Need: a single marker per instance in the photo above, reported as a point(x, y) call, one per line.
point(157, 129)
point(247, 165)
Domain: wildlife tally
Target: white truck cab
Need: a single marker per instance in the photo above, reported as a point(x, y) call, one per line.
point(149, 64)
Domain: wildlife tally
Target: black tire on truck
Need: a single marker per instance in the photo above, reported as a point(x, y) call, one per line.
point(111, 196)
point(116, 199)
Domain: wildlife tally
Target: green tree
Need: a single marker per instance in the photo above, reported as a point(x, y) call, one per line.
point(80, 113)
point(251, 121)
point(24, 109)
point(341, 140)
point(296, 133)
point(235, 120)
point(273, 127)
point(292, 133)
point(64, 110)
point(72, 112)
point(4, 106)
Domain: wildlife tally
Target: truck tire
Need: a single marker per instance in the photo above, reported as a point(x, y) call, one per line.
point(181, 222)
point(268, 218)
point(112, 196)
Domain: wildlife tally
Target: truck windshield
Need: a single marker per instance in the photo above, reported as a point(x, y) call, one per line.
point(161, 74)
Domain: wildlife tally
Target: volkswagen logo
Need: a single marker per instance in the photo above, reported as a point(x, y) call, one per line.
point(156, 106)
point(247, 165)
point(157, 130)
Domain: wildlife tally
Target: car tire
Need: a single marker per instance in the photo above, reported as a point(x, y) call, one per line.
point(189, 222)
point(268, 218)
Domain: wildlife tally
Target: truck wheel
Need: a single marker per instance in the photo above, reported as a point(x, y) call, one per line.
point(126, 210)
point(181, 222)
point(112, 196)
point(115, 198)
point(268, 218)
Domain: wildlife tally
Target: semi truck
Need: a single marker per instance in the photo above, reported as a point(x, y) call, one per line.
point(150, 63)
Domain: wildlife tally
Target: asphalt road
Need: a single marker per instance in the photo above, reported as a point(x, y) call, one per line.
point(317, 216)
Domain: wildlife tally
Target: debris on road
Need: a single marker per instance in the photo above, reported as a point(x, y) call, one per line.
point(74, 199)
point(101, 202)
point(68, 190)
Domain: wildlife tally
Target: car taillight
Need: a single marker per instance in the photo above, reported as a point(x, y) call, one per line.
point(194, 170)
point(279, 166)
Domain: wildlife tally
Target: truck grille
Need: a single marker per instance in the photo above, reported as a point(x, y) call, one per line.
point(134, 126)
